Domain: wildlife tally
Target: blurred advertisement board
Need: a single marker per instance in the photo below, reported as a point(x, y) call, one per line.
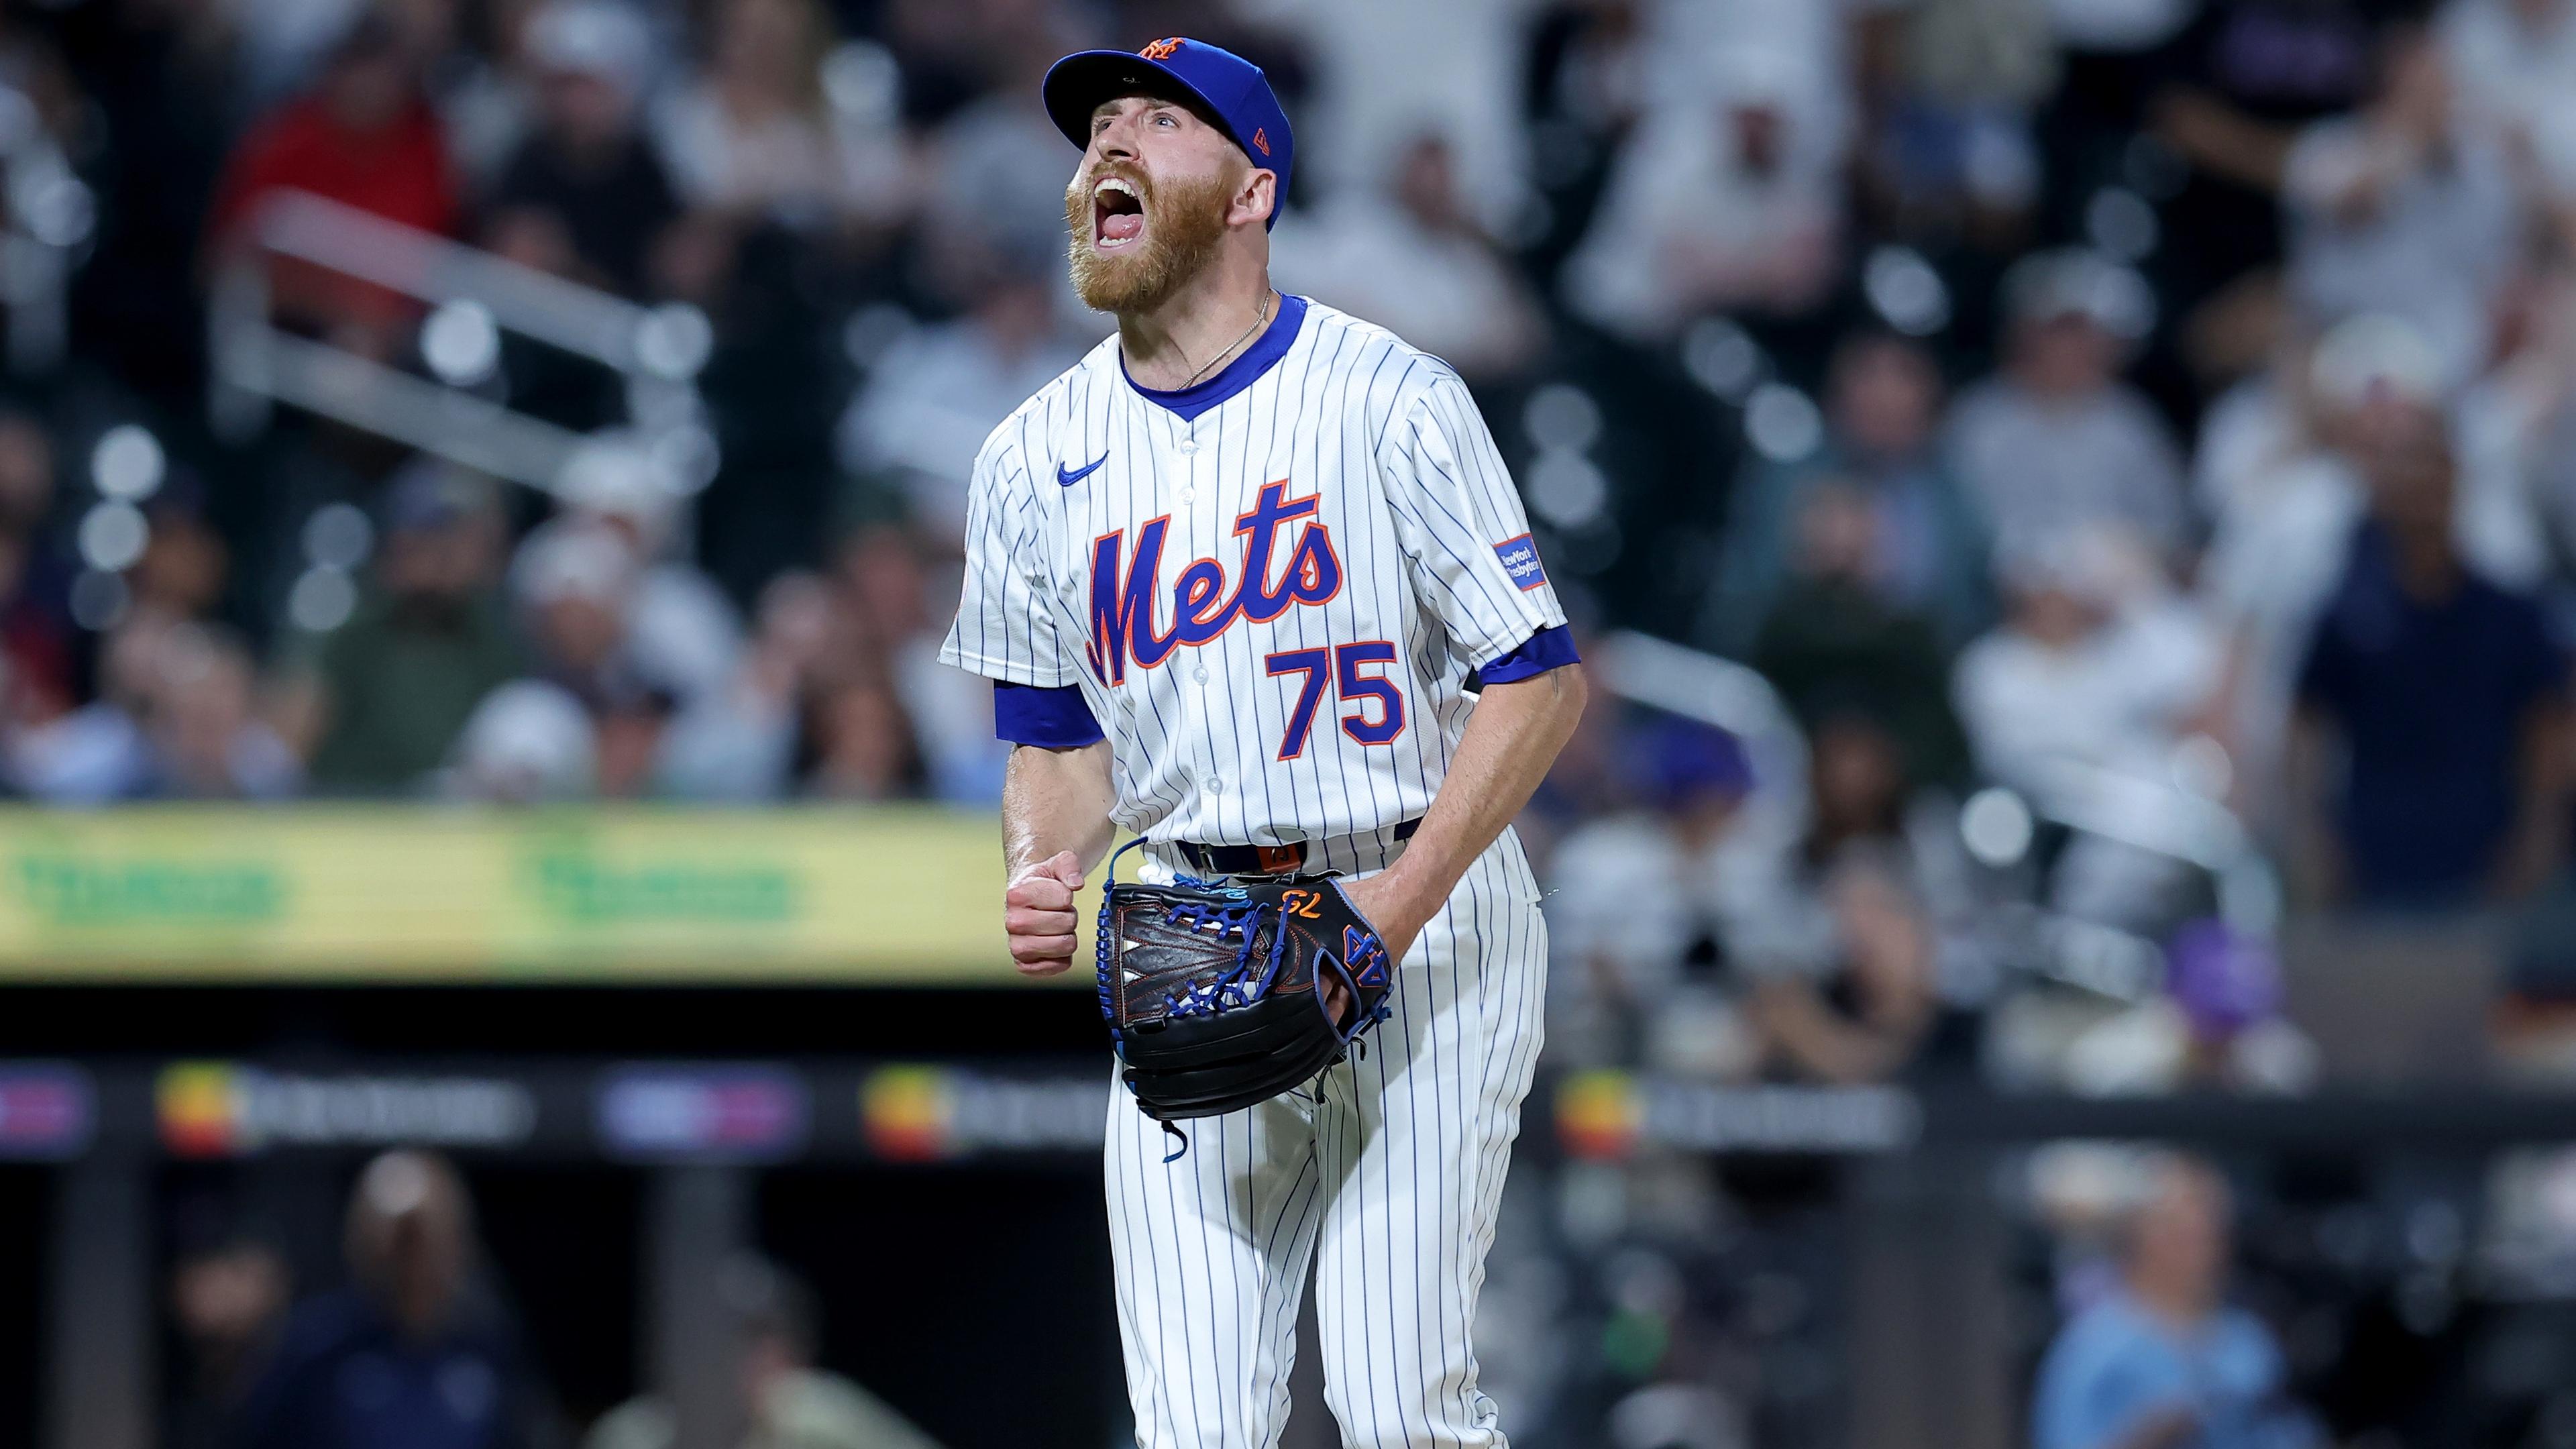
point(920, 1112)
point(229, 1109)
point(752, 1112)
point(48, 1111)
point(1606, 1115)
point(886, 894)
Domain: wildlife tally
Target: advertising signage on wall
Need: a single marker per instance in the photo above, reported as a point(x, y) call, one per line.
point(48, 1111)
point(749, 1112)
point(227, 1109)
point(889, 894)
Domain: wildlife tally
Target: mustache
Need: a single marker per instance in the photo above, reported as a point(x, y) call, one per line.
point(1079, 193)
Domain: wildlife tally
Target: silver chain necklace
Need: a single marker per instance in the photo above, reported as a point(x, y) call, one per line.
point(1262, 316)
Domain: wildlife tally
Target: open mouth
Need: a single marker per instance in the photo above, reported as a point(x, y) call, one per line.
point(1117, 214)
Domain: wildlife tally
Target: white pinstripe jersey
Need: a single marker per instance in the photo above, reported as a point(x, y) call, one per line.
point(1271, 608)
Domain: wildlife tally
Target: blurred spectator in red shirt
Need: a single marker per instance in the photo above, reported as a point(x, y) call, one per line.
point(365, 136)
point(40, 651)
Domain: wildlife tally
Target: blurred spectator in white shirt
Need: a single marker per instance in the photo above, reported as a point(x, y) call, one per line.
point(681, 629)
point(993, 188)
point(1384, 71)
point(579, 584)
point(2096, 663)
point(528, 741)
point(2055, 442)
point(2513, 510)
point(2404, 209)
point(938, 391)
point(1727, 195)
point(1407, 255)
point(2514, 65)
point(1639, 904)
point(2098, 670)
point(575, 584)
point(739, 742)
point(758, 134)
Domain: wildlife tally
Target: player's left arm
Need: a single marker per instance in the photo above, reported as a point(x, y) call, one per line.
point(1472, 563)
point(1512, 738)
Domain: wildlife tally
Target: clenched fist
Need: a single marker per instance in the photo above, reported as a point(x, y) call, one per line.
point(1038, 915)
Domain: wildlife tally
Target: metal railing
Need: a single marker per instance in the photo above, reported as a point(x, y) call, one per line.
point(2159, 817)
point(50, 217)
point(473, 296)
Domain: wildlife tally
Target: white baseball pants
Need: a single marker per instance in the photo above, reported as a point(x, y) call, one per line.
point(1389, 1166)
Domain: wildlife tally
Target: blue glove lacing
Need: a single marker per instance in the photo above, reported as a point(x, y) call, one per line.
point(1237, 988)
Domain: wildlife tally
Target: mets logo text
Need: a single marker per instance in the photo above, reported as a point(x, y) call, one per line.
point(1125, 587)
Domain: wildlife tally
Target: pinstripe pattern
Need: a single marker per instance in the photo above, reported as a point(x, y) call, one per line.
point(1385, 1173)
point(1387, 1169)
point(1413, 497)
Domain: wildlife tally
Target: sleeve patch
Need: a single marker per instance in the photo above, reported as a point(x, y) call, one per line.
point(1520, 560)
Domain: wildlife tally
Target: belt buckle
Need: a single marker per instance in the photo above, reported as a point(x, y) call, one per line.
point(1279, 859)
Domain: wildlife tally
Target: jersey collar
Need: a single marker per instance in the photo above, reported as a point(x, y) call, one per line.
point(1243, 372)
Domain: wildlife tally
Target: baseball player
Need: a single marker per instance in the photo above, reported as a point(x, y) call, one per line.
point(1253, 584)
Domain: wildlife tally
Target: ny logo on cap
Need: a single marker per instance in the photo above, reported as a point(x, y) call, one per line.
point(1161, 49)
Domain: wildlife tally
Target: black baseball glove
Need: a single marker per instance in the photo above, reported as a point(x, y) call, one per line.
point(1222, 996)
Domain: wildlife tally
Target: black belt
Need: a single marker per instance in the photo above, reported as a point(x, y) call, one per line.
point(1286, 859)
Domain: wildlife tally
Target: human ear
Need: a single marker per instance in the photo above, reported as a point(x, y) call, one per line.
point(1254, 198)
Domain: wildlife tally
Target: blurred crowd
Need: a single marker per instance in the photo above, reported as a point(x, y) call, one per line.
point(2046, 396)
point(2113, 463)
point(2138, 388)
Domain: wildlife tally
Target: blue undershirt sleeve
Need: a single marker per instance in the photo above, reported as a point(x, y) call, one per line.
point(1547, 649)
point(1058, 718)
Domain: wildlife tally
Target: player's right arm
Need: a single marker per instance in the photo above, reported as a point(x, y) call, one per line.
point(1055, 826)
point(1058, 793)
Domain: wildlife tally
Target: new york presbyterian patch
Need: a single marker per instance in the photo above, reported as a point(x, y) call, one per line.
point(1520, 560)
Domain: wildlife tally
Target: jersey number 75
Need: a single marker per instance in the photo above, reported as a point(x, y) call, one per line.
point(1344, 663)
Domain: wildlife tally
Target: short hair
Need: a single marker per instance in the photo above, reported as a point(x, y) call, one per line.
point(2155, 1169)
point(769, 1302)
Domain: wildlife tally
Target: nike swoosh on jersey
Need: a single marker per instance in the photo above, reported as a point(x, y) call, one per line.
point(1070, 476)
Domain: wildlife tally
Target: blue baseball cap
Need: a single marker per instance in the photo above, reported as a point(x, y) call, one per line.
point(1232, 89)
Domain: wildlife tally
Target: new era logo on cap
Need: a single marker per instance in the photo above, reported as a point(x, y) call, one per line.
point(1261, 141)
point(1520, 560)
